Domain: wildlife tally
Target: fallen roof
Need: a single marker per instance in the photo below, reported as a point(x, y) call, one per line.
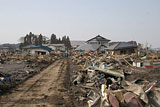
point(112, 47)
point(92, 47)
point(122, 45)
point(75, 43)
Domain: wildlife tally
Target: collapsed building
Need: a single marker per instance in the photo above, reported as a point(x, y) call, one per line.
point(43, 50)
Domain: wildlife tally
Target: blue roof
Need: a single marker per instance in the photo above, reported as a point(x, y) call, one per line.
point(41, 47)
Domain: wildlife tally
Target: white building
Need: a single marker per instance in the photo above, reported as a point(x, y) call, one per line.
point(97, 43)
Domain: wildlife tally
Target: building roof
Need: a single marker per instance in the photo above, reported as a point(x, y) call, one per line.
point(112, 47)
point(36, 47)
point(99, 38)
point(41, 47)
point(122, 45)
point(92, 47)
point(75, 43)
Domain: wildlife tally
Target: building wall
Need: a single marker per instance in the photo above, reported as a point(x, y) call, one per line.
point(60, 48)
point(94, 41)
point(106, 43)
point(124, 51)
point(102, 48)
point(36, 51)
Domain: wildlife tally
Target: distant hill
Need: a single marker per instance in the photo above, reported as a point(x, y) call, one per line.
point(75, 43)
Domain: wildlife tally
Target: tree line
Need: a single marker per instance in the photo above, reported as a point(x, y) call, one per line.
point(38, 40)
point(65, 40)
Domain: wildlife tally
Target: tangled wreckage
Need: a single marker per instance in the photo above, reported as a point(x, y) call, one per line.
point(116, 80)
point(98, 79)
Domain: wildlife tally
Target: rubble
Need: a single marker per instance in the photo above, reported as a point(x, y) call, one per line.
point(112, 80)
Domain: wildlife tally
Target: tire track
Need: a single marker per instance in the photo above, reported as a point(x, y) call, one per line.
point(29, 98)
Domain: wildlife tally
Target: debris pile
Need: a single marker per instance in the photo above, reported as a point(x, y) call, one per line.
point(102, 80)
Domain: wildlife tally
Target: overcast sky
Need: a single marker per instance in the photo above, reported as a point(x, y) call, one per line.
point(117, 20)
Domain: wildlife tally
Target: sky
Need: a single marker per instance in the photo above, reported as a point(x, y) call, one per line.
point(117, 20)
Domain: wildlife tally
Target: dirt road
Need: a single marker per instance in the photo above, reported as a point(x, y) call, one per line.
point(46, 89)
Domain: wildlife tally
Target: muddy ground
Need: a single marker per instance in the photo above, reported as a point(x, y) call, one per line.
point(51, 87)
point(19, 71)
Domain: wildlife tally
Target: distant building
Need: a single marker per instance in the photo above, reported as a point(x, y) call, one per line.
point(157, 50)
point(97, 43)
point(5, 49)
point(56, 47)
point(99, 40)
point(9, 48)
point(119, 48)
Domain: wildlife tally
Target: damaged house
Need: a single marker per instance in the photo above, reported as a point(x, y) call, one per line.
point(97, 43)
point(43, 50)
point(119, 48)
